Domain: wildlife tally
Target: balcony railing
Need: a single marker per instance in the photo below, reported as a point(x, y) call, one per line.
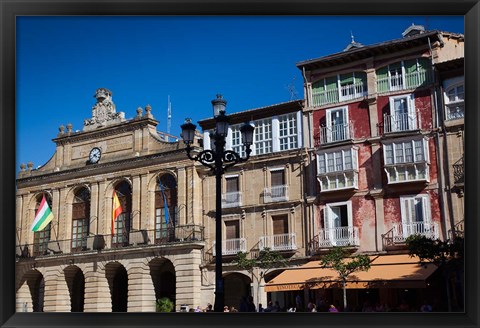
point(401, 231)
point(345, 93)
point(458, 172)
point(341, 236)
point(455, 111)
point(401, 122)
point(334, 133)
point(353, 91)
point(232, 246)
point(276, 194)
point(134, 238)
point(281, 242)
point(232, 199)
point(404, 82)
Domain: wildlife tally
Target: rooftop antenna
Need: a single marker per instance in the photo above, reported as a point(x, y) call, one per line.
point(169, 115)
point(292, 90)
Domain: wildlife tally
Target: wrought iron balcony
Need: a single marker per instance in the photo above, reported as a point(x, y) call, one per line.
point(232, 199)
point(335, 133)
point(232, 246)
point(275, 194)
point(458, 172)
point(340, 236)
point(401, 122)
point(280, 242)
point(133, 238)
point(401, 231)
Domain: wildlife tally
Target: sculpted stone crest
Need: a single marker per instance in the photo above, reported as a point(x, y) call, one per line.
point(103, 112)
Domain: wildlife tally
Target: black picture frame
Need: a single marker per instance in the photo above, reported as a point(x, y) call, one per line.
point(9, 9)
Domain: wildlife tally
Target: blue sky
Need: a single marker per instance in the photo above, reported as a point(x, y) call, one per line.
point(61, 61)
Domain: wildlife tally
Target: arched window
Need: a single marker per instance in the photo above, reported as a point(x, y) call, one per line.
point(165, 209)
point(123, 223)
point(80, 219)
point(42, 237)
point(455, 102)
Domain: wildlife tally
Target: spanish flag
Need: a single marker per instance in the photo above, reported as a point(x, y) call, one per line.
point(116, 210)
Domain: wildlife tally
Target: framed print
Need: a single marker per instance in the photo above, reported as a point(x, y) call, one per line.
point(141, 207)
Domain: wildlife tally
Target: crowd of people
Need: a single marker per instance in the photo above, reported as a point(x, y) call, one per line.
point(247, 305)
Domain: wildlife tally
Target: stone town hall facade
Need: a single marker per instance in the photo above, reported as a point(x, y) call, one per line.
point(76, 264)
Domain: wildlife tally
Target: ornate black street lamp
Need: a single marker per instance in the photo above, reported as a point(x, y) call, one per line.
point(218, 160)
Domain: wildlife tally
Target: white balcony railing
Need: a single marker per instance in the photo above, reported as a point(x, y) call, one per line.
point(401, 231)
point(281, 242)
point(338, 132)
point(232, 199)
point(401, 122)
point(404, 81)
point(341, 236)
point(232, 246)
point(352, 91)
point(275, 194)
point(347, 92)
point(455, 111)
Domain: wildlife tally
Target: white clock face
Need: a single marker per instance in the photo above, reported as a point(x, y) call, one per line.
point(95, 155)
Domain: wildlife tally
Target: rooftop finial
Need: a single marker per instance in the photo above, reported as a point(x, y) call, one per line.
point(353, 38)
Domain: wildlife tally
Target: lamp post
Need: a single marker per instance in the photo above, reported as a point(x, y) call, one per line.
point(218, 160)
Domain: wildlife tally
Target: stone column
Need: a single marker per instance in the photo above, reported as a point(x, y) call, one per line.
point(188, 278)
point(57, 296)
point(104, 217)
point(146, 214)
point(97, 292)
point(141, 291)
point(136, 201)
point(24, 299)
point(182, 195)
point(94, 208)
point(57, 212)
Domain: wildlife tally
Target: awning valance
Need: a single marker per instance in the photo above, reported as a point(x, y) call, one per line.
point(386, 271)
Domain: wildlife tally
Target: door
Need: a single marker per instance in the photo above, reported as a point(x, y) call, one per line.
point(337, 124)
point(339, 232)
point(280, 232)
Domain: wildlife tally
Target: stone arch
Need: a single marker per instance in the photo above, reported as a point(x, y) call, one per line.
point(75, 280)
point(236, 286)
point(31, 292)
point(162, 272)
point(117, 278)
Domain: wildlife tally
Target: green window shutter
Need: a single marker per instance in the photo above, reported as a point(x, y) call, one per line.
point(346, 79)
point(361, 77)
point(412, 79)
point(332, 89)
point(382, 81)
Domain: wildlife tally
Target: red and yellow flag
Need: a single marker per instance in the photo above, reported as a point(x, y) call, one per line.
point(116, 210)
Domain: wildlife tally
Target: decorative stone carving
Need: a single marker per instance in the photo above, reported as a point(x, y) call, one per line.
point(103, 112)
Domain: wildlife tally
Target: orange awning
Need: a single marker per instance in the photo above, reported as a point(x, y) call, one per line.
point(386, 271)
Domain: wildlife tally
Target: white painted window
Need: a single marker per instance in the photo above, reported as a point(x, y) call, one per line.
point(236, 139)
point(455, 101)
point(402, 114)
point(263, 136)
point(406, 160)
point(338, 127)
point(415, 209)
point(338, 169)
point(288, 131)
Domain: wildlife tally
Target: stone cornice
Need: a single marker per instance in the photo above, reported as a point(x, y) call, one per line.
point(129, 126)
point(94, 170)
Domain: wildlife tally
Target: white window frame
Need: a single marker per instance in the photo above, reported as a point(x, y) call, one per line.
point(350, 174)
point(411, 113)
point(426, 208)
point(329, 225)
point(458, 102)
point(263, 144)
point(403, 165)
point(290, 122)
